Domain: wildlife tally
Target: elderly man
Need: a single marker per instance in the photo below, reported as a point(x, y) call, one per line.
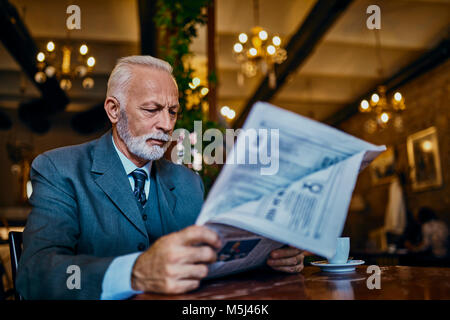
point(111, 217)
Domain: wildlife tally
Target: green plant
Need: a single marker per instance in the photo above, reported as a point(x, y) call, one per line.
point(177, 22)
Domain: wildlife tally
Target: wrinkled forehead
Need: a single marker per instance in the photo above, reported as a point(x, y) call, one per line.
point(147, 82)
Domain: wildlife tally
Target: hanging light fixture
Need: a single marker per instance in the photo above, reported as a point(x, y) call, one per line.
point(227, 112)
point(65, 71)
point(258, 51)
point(384, 110)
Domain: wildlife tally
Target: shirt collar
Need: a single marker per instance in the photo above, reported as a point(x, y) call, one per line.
point(128, 165)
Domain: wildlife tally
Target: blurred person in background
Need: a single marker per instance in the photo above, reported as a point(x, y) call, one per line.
point(434, 231)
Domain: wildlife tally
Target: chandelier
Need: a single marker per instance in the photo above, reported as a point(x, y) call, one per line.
point(50, 64)
point(258, 51)
point(384, 110)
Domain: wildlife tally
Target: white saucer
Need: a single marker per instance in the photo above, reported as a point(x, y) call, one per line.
point(341, 267)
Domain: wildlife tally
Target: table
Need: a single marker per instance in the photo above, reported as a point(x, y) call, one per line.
point(397, 282)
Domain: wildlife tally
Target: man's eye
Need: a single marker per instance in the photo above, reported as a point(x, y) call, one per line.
point(173, 112)
point(151, 110)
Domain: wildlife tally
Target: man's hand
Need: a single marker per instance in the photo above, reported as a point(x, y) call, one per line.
point(177, 262)
point(286, 259)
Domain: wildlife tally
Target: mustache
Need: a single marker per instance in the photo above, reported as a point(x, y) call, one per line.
point(157, 136)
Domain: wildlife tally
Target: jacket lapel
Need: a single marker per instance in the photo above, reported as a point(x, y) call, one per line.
point(112, 179)
point(166, 197)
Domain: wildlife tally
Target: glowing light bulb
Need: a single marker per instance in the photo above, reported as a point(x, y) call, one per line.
point(271, 49)
point(375, 98)
point(196, 81)
point(204, 91)
point(427, 146)
point(83, 49)
point(91, 61)
point(243, 38)
point(364, 105)
point(276, 40)
point(40, 56)
point(50, 46)
point(384, 117)
point(263, 35)
point(398, 96)
point(238, 47)
point(252, 51)
point(231, 114)
point(224, 110)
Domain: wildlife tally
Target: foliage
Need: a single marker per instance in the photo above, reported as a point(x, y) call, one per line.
point(177, 23)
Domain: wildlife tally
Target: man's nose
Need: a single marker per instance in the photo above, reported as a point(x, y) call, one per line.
point(164, 121)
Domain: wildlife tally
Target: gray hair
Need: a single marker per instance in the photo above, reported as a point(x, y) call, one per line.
point(121, 75)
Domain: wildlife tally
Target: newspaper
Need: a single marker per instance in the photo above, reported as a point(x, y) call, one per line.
point(303, 204)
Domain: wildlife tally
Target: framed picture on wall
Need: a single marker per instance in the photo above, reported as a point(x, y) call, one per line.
point(382, 169)
point(424, 160)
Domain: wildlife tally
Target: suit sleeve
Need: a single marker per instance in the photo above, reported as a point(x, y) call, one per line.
point(50, 242)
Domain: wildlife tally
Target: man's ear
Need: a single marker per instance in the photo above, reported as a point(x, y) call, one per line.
point(112, 109)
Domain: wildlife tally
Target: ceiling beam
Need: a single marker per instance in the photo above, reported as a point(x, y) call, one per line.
point(300, 46)
point(212, 67)
point(149, 32)
point(18, 41)
point(424, 63)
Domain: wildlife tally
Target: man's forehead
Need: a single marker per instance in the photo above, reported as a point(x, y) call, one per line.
point(151, 73)
point(152, 85)
point(159, 82)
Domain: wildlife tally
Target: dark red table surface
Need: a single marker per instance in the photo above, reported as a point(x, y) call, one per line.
point(397, 282)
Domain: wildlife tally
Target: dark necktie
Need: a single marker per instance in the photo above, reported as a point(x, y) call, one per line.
point(139, 177)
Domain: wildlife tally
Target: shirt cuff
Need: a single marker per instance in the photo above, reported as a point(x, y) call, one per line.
point(117, 280)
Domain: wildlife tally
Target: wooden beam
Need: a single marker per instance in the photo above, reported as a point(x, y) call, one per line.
point(300, 46)
point(148, 30)
point(212, 71)
point(18, 41)
point(424, 63)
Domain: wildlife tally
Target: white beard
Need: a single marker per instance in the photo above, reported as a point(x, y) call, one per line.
point(138, 145)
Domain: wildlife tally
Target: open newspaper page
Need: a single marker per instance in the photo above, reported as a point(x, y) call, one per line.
point(297, 193)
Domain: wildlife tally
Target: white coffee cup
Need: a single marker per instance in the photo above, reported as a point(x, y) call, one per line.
point(342, 251)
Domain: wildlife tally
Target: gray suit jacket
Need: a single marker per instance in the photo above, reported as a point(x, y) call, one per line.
point(85, 214)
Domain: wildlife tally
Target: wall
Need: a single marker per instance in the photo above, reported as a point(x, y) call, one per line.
point(427, 101)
